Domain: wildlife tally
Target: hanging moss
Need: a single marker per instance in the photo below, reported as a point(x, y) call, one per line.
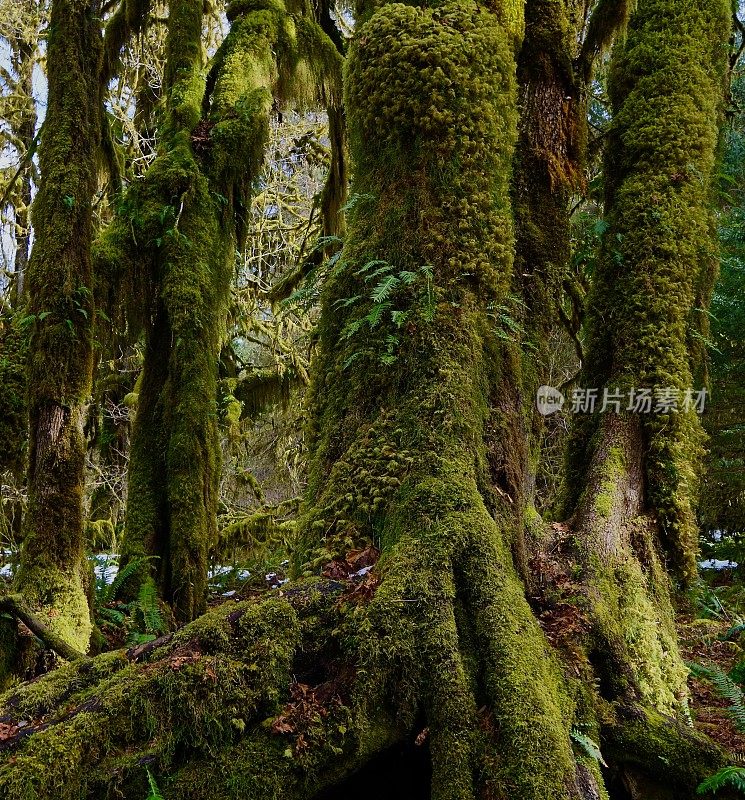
point(13, 407)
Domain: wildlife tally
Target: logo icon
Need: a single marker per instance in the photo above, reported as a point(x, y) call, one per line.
point(549, 400)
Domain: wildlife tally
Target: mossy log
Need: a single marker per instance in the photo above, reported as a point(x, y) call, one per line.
point(17, 607)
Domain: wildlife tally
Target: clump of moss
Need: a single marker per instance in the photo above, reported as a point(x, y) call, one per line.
point(225, 667)
point(13, 405)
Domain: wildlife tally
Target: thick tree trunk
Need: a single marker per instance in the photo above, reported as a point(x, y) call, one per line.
point(52, 572)
point(636, 471)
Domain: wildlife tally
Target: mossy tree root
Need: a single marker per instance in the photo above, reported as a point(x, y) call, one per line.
point(628, 589)
point(657, 757)
point(204, 708)
point(282, 696)
point(88, 727)
point(450, 634)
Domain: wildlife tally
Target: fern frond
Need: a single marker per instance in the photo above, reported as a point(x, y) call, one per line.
point(352, 327)
point(733, 777)
point(123, 575)
point(727, 689)
point(374, 317)
point(384, 266)
point(154, 793)
point(112, 615)
point(588, 746)
point(735, 630)
point(384, 289)
point(147, 603)
point(407, 277)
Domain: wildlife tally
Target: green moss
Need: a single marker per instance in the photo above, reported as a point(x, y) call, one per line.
point(60, 354)
point(13, 405)
point(398, 454)
point(217, 670)
point(614, 469)
point(100, 533)
point(665, 87)
point(674, 755)
point(633, 611)
point(176, 234)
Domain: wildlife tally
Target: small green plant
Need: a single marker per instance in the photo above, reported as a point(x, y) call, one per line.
point(140, 619)
point(727, 777)
point(727, 689)
point(725, 685)
point(588, 746)
point(388, 286)
point(154, 791)
point(507, 327)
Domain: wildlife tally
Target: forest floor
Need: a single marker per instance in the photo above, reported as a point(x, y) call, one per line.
point(710, 637)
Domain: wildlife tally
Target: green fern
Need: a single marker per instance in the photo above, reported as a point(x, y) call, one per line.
point(735, 630)
point(733, 777)
point(148, 609)
point(589, 747)
point(141, 618)
point(154, 793)
point(727, 689)
point(111, 592)
point(508, 328)
point(385, 289)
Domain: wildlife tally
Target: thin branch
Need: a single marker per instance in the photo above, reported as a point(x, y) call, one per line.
point(15, 605)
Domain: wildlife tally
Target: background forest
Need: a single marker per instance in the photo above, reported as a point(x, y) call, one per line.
point(281, 340)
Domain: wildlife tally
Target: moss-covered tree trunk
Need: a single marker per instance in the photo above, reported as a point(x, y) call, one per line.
point(175, 238)
point(52, 572)
point(635, 469)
